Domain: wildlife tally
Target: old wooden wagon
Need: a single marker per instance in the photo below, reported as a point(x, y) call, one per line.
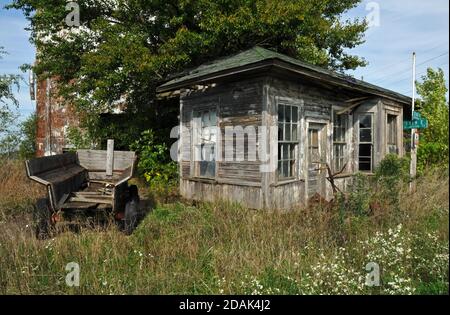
point(266, 130)
point(93, 183)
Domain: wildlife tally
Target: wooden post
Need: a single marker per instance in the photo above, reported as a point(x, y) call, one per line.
point(110, 158)
point(413, 165)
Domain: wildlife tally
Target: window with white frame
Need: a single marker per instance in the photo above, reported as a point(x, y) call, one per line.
point(340, 124)
point(205, 143)
point(365, 155)
point(392, 134)
point(288, 122)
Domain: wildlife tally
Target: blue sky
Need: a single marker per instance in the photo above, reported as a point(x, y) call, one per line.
point(405, 26)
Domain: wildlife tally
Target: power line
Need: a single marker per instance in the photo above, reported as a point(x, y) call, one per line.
point(419, 74)
point(409, 91)
point(434, 58)
point(407, 70)
point(431, 49)
point(402, 62)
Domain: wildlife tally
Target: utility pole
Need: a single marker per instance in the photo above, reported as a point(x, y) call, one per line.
point(413, 165)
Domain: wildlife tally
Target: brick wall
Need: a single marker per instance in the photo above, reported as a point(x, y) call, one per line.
point(53, 119)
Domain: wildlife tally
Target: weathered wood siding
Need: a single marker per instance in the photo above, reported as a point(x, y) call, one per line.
point(236, 104)
point(316, 104)
point(254, 103)
point(247, 196)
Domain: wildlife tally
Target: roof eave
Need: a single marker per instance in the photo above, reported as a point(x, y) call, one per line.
point(260, 65)
point(357, 85)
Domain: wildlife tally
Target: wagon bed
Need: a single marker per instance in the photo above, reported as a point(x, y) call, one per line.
point(86, 180)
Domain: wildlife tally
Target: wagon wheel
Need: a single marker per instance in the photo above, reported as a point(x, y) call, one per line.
point(42, 218)
point(131, 210)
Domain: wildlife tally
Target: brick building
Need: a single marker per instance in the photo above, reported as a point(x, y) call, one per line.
point(53, 119)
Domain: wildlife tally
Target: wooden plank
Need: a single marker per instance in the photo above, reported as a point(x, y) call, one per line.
point(90, 194)
point(110, 157)
point(356, 99)
point(49, 163)
point(101, 182)
point(350, 107)
point(79, 205)
point(97, 199)
point(100, 177)
point(63, 200)
point(96, 159)
point(62, 174)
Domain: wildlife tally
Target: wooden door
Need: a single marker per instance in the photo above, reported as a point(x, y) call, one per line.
point(316, 159)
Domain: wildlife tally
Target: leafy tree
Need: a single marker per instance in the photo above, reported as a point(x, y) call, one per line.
point(27, 147)
point(8, 136)
point(123, 49)
point(433, 105)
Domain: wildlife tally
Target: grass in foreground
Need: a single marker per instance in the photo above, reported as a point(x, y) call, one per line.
point(226, 249)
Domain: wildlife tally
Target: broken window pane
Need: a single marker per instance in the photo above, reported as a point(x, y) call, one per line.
point(365, 135)
point(365, 121)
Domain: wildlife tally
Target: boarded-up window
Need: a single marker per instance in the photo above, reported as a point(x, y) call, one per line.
point(365, 142)
point(205, 143)
point(288, 119)
point(340, 123)
point(392, 134)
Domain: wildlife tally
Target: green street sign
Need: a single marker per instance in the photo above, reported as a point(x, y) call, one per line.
point(421, 123)
point(416, 116)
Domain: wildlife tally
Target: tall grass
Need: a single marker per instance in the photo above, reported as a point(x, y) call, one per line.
point(17, 193)
point(223, 248)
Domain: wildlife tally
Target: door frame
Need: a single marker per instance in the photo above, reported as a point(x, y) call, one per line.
point(324, 140)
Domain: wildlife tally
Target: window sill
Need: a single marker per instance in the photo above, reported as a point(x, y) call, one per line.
point(287, 182)
point(221, 181)
point(202, 180)
point(368, 173)
point(347, 175)
point(344, 175)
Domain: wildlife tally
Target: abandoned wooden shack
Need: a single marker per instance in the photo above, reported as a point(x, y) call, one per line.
point(266, 130)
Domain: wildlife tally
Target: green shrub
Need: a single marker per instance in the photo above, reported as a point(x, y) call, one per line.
point(370, 195)
point(389, 176)
point(357, 200)
point(392, 167)
point(155, 165)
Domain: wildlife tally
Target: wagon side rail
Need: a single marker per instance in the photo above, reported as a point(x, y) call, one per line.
point(128, 173)
point(41, 181)
point(61, 174)
point(121, 186)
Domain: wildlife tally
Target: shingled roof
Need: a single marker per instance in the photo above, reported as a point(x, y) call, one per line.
point(258, 57)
